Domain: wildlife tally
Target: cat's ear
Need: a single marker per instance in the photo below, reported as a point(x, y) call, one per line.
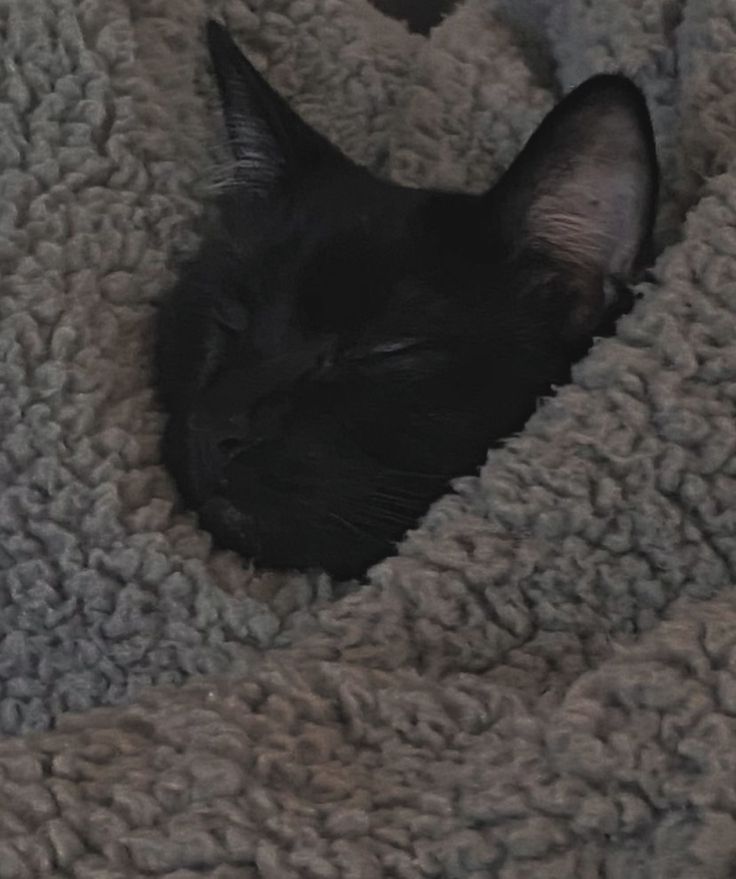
point(269, 141)
point(584, 188)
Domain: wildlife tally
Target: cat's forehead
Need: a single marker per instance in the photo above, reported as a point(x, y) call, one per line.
point(327, 226)
point(339, 203)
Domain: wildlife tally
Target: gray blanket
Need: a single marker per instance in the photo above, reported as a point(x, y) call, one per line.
point(542, 682)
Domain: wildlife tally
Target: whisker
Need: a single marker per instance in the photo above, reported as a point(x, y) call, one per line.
point(418, 474)
point(401, 497)
point(377, 515)
point(357, 529)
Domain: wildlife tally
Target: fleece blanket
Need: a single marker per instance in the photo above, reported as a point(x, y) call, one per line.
point(542, 681)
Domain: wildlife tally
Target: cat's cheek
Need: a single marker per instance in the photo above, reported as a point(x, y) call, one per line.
point(212, 354)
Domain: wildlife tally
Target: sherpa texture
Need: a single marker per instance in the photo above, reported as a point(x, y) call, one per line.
point(542, 682)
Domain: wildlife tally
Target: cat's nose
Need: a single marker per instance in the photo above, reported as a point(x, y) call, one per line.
point(230, 446)
point(212, 445)
point(228, 435)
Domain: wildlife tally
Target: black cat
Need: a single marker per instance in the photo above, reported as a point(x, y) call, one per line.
point(342, 346)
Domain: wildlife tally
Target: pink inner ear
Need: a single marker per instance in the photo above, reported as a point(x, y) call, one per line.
point(595, 215)
point(584, 187)
point(592, 207)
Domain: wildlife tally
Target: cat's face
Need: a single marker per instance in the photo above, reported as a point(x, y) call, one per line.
point(341, 347)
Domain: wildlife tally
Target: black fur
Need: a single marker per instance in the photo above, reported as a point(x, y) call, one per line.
point(341, 346)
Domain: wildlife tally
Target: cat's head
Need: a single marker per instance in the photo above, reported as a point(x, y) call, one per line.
point(342, 346)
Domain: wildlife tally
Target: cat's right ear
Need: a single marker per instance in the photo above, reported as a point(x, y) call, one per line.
point(270, 143)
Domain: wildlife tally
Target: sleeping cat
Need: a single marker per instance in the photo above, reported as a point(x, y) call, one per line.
point(341, 346)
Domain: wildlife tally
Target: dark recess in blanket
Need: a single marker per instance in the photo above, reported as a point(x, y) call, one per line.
point(420, 16)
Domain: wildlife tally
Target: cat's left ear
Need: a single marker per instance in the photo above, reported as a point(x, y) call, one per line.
point(271, 144)
point(583, 190)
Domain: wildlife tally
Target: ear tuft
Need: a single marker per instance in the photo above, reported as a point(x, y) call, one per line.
point(584, 187)
point(269, 142)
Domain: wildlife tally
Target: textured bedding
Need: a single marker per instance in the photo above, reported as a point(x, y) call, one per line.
point(542, 682)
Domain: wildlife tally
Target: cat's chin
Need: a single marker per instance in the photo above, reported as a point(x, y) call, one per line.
point(229, 525)
point(271, 548)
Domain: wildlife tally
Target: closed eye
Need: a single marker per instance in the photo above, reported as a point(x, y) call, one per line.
point(386, 349)
point(395, 347)
point(412, 359)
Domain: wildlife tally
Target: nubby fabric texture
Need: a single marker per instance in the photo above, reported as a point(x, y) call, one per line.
point(542, 681)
